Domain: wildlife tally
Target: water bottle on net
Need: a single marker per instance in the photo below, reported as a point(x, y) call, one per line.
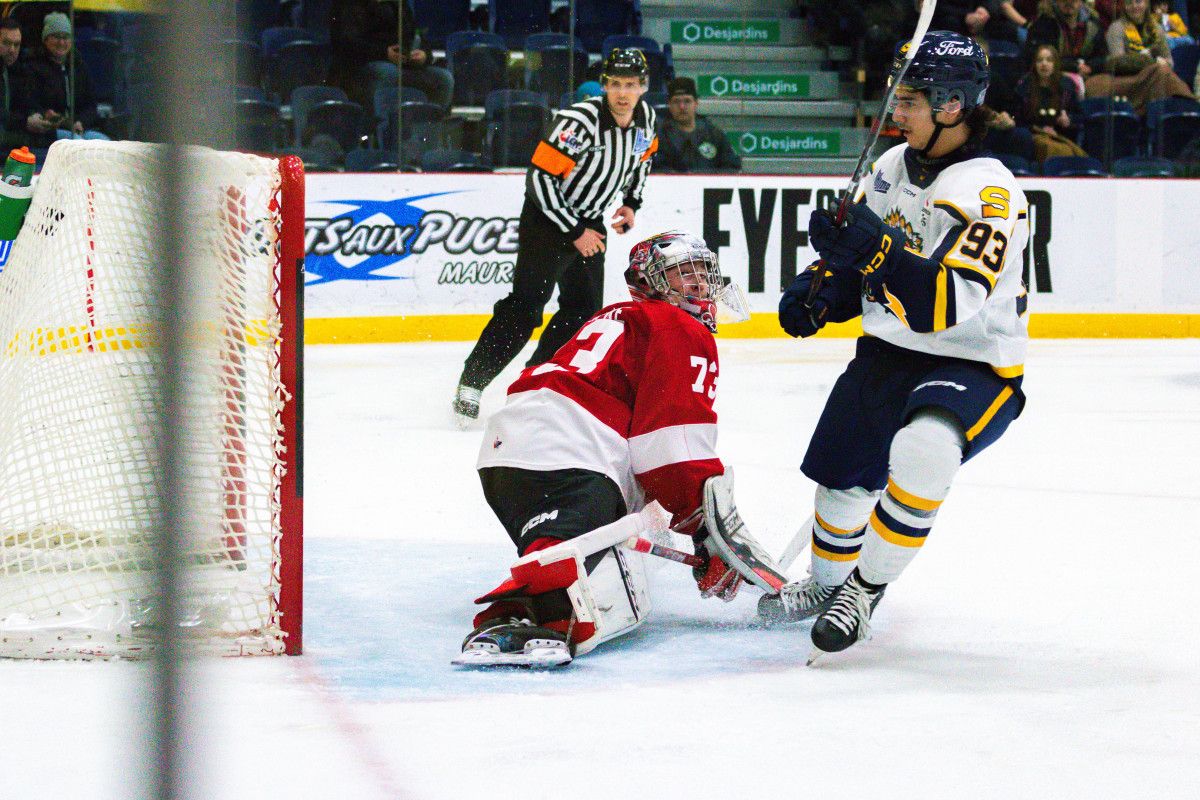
point(16, 193)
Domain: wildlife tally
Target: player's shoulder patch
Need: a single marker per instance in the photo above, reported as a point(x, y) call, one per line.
point(978, 188)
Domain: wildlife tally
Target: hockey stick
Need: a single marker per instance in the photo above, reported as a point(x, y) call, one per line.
point(796, 546)
point(864, 158)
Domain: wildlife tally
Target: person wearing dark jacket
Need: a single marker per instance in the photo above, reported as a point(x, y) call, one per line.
point(58, 89)
point(368, 54)
point(689, 142)
point(12, 78)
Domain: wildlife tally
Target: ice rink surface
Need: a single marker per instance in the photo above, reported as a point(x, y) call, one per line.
point(1043, 645)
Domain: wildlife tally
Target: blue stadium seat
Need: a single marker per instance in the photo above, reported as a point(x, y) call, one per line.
point(388, 99)
point(273, 39)
point(345, 122)
point(1171, 124)
point(372, 160)
point(443, 160)
point(313, 16)
point(552, 66)
point(1126, 132)
point(479, 63)
point(257, 125)
point(249, 93)
point(421, 127)
point(297, 63)
point(102, 58)
point(1098, 105)
point(515, 122)
point(254, 16)
point(1186, 58)
point(657, 101)
point(1017, 165)
point(643, 43)
point(304, 98)
point(500, 99)
point(516, 19)
point(1143, 167)
point(440, 18)
point(597, 19)
point(246, 57)
point(1073, 167)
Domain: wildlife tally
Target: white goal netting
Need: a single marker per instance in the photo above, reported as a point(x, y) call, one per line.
point(78, 397)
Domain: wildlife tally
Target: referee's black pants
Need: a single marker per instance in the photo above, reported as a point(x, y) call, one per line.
point(545, 257)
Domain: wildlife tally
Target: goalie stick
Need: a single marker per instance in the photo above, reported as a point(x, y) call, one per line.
point(914, 44)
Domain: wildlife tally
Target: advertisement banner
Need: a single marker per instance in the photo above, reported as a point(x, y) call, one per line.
point(725, 31)
point(398, 245)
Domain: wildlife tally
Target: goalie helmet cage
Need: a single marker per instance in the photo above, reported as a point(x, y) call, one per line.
point(80, 396)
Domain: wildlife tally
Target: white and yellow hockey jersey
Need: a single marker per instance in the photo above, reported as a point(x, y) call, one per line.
point(971, 220)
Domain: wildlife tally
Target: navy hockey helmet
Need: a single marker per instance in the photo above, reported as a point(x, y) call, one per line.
point(625, 62)
point(948, 66)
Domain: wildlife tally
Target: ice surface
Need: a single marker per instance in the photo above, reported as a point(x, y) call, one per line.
point(1044, 644)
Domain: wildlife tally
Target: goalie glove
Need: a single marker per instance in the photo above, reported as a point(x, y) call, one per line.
point(730, 541)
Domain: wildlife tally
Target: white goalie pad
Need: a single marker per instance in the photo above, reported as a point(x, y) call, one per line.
point(729, 538)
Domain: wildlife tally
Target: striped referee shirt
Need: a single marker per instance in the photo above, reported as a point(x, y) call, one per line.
point(588, 160)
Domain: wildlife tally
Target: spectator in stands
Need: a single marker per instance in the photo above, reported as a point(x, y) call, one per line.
point(1049, 106)
point(58, 99)
point(1006, 23)
point(690, 142)
point(1075, 32)
point(366, 55)
point(12, 122)
point(1139, 63)
point(1171, 24)
point(960, 16)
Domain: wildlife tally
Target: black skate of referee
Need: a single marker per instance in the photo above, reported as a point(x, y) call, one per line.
point(598, 151)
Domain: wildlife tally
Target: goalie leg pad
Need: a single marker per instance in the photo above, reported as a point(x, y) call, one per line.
point(729, 538)
point(612, 599)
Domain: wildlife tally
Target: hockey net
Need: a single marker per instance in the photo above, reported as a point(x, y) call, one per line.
point(79, 391)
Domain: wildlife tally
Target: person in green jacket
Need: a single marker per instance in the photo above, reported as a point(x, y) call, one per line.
point(690, 142)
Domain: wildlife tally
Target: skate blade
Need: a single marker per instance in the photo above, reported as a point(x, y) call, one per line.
point(814, 655)
point(540, 658)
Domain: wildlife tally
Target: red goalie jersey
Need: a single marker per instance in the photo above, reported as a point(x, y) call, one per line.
point(631, 397)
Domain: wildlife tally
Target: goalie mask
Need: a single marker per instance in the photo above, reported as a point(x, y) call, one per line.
point(679, 269)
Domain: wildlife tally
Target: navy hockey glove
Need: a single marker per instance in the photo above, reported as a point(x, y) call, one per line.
point(862, 242)
point(799, 316)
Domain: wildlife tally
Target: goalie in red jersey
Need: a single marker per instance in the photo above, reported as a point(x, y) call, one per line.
point(621, 416)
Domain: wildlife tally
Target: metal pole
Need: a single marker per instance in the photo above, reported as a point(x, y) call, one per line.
point(190, 99)
point(400, 84)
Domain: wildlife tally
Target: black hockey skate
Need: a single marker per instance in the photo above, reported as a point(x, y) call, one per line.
point(848, 618)
point(796, 601)
point(513, 642)
point(466, 405)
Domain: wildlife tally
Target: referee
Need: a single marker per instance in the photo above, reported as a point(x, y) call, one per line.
point(598, 151)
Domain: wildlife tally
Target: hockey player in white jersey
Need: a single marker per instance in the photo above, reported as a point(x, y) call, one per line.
point(930, 256)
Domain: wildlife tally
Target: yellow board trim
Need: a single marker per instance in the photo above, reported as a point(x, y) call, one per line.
point(912, 500)
point(821, 552)
point(1000, 400)
point(467, 327)
point(891, 536)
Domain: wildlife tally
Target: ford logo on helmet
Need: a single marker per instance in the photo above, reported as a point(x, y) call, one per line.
point(954, 49)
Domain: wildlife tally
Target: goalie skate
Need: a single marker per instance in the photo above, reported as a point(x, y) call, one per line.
point(796, 602)
point(514, 643)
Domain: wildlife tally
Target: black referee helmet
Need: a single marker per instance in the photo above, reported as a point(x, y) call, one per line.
point(625, 62)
